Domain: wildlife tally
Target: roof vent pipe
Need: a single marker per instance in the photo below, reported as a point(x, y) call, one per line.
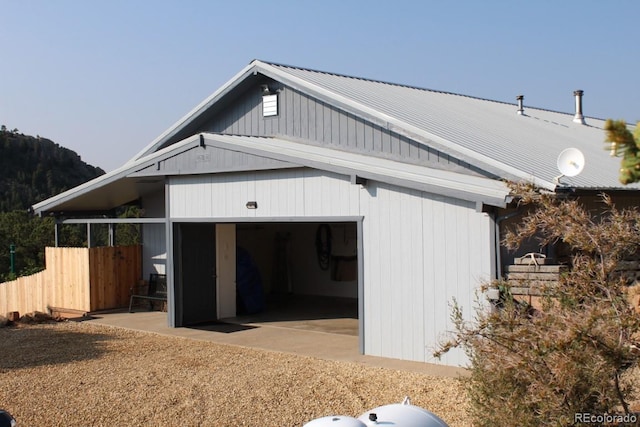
point(520, 99)
point(578, 118)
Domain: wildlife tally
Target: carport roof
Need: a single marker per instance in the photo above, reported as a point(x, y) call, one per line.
point(134, 179)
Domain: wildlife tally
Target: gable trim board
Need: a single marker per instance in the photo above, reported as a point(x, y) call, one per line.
point(466, 187)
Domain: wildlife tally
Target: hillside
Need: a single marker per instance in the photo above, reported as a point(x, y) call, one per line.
point(34, 168)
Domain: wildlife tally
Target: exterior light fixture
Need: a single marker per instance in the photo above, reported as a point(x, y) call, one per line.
point(252, 205)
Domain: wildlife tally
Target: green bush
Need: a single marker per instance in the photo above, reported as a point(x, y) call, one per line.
point(541, 367)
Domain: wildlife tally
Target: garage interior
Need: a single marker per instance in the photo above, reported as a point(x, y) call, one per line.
point(307, 272)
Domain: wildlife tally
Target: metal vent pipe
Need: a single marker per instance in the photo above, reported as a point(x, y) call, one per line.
point(520, 99)
point(578, 118)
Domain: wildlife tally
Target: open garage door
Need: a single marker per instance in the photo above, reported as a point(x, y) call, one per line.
point(308, 272)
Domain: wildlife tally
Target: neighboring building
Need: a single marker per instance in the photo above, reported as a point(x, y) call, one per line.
point(410, 181)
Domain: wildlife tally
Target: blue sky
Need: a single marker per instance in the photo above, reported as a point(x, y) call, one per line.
point(104, 78)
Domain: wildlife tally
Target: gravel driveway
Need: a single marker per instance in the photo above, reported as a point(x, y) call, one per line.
point(79, 374)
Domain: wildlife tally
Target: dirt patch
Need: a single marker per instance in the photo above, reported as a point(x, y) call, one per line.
point(79, 374)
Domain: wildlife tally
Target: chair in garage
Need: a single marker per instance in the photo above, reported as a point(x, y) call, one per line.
point(154, 290)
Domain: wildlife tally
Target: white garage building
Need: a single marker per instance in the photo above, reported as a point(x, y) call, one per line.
point(339, 187)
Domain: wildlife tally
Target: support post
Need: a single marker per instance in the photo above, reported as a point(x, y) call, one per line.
point(112, 234)
point(12, 256)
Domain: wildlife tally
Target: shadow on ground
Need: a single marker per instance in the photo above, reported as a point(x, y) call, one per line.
point(226, 328)
point(41, 345)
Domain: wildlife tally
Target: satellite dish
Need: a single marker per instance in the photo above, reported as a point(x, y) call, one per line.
point(570, 162)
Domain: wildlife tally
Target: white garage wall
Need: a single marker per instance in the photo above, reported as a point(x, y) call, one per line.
point(420, 250)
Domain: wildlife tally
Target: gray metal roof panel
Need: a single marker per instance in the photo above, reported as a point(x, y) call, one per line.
point(294, 153)
point(479, 131)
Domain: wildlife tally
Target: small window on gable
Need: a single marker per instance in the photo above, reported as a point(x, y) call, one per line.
point(270, 105)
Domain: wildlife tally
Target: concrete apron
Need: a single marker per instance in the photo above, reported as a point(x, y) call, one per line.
point(334, 340)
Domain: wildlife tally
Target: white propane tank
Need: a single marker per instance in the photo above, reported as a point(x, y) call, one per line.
point(335, 421)
point(401, 414)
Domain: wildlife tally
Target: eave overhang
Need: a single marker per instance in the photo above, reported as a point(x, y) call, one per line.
point(148, 174)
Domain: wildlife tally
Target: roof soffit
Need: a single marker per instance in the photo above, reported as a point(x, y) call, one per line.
point(110, 179)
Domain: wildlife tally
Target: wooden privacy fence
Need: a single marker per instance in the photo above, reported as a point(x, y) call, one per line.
point(78, 279)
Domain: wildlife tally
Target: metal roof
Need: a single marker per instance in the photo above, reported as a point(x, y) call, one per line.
point(483, 132)
point(488, 134)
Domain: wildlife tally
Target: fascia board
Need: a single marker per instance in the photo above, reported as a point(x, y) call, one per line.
point(113, 221)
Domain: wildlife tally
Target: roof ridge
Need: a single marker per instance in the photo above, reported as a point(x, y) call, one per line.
point(368, 79)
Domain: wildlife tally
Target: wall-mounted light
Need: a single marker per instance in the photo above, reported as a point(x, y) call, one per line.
point(252, 205)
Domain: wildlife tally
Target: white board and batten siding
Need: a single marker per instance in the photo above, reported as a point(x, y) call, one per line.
point(420, 250)
point(283, 193)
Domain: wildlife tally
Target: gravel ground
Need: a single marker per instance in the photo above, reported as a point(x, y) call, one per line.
point(79, 374)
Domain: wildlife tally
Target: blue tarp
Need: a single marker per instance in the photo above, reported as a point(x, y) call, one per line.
point(248, 284)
